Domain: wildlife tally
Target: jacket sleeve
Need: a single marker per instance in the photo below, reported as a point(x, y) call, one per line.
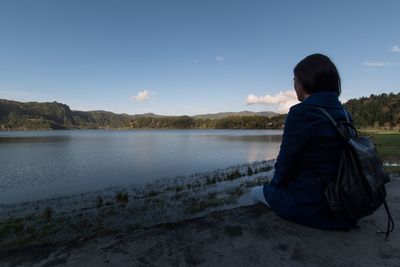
point(296, 134)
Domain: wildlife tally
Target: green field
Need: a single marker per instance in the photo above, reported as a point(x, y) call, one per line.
point(388, 146)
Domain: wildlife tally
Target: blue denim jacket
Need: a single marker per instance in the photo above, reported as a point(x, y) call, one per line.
point(295, 193)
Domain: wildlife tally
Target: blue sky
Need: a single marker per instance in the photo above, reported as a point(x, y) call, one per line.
point(190, 57)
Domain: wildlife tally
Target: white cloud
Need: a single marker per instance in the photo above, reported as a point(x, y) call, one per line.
point(219, 58)
point(376, 64)
point(284, 100)
point(395, 48)
point(143, 96)
point(369, 70)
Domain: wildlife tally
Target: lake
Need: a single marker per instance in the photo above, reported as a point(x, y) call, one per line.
point(42, 164)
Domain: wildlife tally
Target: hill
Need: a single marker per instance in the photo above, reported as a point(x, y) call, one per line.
point(376, 111)
point(53, 115)
point(222, 115)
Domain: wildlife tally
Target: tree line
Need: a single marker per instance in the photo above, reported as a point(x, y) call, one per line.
point(375, 111)
point(230, 122)
point(36, 116)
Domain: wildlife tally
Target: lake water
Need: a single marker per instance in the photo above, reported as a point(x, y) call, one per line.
point(42, 164)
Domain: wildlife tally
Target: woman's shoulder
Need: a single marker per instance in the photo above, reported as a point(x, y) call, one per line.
point(301, 115)
point(311, 115)
point(301, 110)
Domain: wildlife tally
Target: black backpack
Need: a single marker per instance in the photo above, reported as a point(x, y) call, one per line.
point(359, 187)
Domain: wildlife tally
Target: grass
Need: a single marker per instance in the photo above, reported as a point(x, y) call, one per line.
point(388, 146)
point(10, 227)
point(249, 171)
point(194, 205)
point(47, 214)
point(99, 202)
point(393, 169)
point(237, 191)
point(121, 197)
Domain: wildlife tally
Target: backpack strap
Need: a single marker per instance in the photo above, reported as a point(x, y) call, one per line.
point(341, 130)
point(347, 115)
point(390, 221)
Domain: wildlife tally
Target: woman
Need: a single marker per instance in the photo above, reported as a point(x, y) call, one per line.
point(310, 146)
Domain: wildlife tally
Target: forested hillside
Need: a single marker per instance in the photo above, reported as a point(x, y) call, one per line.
point(376, 111)
point(52, 115)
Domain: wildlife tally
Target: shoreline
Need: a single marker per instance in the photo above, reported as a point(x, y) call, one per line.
point(118, 209)
point(361, 130)
point(128, 129)
point(244, 236)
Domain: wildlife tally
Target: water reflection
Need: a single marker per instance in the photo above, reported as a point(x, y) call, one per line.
point(250, 138)
point(42, 164)
point(255, 153)
point(34, 139)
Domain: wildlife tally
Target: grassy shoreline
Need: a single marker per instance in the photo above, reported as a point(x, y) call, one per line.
point(119, 209)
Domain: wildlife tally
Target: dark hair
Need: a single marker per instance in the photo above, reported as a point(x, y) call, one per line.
point(317, 73)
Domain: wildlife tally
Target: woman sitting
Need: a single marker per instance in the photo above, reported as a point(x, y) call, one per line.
point(310, 146)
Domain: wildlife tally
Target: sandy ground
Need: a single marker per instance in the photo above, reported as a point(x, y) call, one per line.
point(246, 236)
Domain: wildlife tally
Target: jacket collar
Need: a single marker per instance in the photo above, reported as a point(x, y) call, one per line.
point(323, 99)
